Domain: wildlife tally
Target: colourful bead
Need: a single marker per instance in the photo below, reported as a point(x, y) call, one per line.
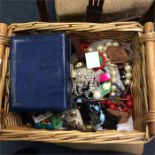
point(102, 117)
point(100, 48)
point(113, 79)
point(109, 102)
point(124, 109)
point(109, 44)
point(127, 82)
point(115, 43)
point(129, 104)
point(128, 75)
point(113, 94)
point(113, 106)
point(104, 77)
point(113, 72)
point(106, 86)
point(114, 87)
point(128, 97)
point(127, 68)
point(96, 107)
point(79, 100)
point(97, 95)
point(90, 49)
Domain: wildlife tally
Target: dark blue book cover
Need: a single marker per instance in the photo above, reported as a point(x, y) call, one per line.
point(40, 72)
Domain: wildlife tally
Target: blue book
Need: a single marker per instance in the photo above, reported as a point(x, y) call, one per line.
point(40, 72)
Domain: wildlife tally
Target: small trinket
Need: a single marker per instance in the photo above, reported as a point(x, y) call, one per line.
point(84, 81)
point(117, 54)
point(79, 100)
point(41, 117)
point(79, 65)
point(92, 59)
point(56, 121)
point(73, 116)
point(106, 88)
point(97, 115)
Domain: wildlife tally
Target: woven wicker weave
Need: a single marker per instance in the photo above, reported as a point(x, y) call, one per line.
point(11, 127)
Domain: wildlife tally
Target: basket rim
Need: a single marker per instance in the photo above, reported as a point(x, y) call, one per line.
point(78, 26)
point(73, 136)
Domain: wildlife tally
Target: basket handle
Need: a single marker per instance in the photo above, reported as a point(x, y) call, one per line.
point(3, 42)
point(149, 40)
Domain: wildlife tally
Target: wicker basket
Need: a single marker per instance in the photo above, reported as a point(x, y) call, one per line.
point(11, 127)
